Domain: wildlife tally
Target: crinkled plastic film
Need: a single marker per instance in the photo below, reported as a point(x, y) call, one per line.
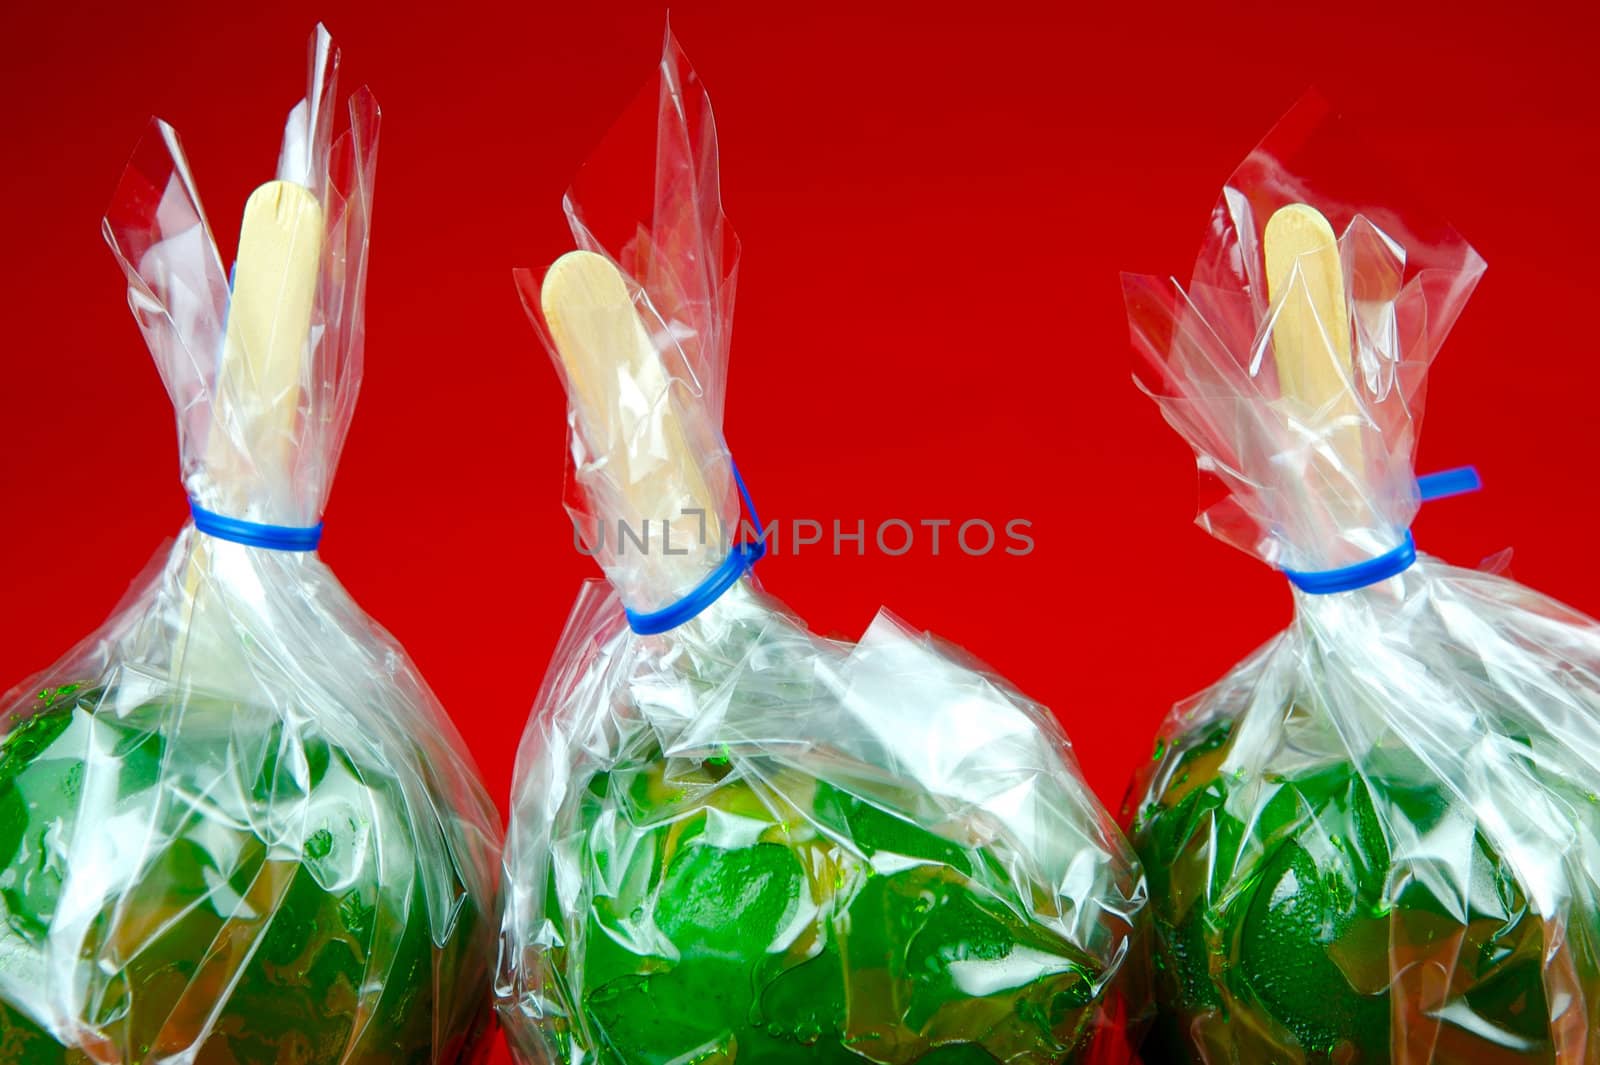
point(1378, 838)
point(235, 825)
point(736, 841)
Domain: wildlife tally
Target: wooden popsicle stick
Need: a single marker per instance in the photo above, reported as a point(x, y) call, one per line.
point(257, 388)
point(1311, 333)
point(618, 383)
point(269, 318)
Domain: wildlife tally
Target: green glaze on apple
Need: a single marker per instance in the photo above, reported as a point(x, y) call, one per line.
point(772, 917)
point(1292, 927)
point(248, 892)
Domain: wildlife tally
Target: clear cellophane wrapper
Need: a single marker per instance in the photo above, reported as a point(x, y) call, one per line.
point(736, 841)
point(1377, 839)
point(235, 825)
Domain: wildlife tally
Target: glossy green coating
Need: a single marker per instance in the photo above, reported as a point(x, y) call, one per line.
point(212, 930)
point(771, 917)
point(1288, 930)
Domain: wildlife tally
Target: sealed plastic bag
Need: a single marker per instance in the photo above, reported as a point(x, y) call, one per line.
point(235, 826)
point(732, 840)
point(1377, 839)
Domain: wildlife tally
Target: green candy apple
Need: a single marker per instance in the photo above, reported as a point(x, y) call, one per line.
point(181, 877)
point(775, 917)
point(1336, 915)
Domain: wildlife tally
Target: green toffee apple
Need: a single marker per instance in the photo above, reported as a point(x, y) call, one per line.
point(1336, 915)
point(178, 878)
point(777, 918)
point(733, 842)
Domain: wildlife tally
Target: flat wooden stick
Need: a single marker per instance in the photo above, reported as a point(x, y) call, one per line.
point(269, 318)
point(1311, 334)
point(623, 394)
point(257, 387)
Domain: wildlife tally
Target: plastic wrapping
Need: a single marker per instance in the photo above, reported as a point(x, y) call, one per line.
point(735, 841)
point(235, 826)
point(1377, 839)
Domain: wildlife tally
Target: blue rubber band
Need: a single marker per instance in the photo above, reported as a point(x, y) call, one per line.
point(1393, 562)
point(1349, 578)
point(256, 534)
point(741, 557)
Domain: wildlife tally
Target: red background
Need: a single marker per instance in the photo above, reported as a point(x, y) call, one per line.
point(935, 203)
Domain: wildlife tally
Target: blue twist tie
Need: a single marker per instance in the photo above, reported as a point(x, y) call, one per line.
point(741, 557)
point(1391, 563)
point(255, 534)
point(1447, 483)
